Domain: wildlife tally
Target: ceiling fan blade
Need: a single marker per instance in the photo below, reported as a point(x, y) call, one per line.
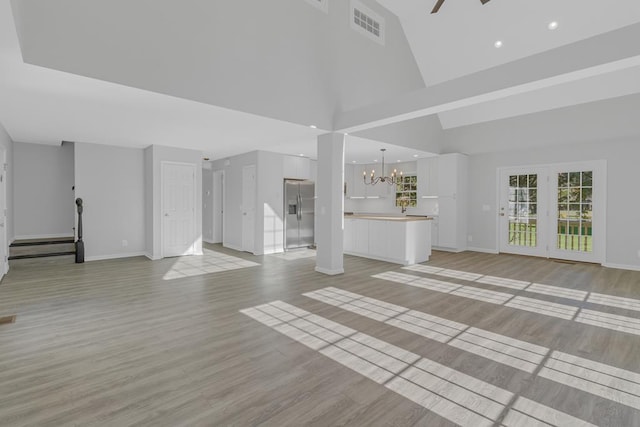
point(484, 1)
point(436, 8)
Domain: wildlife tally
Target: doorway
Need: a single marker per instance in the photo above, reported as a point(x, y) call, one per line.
point(248, 208)
point(553, 211)
point(218, 206)
point(178, 208)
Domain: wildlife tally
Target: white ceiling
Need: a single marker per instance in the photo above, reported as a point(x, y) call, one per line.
point(459, 39)
point(43, 105)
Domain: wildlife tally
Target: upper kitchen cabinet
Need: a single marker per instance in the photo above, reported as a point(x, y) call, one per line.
point(452, 201)
point(427, 177)
point(359, 189)
point(297, 167)
point(348, 180)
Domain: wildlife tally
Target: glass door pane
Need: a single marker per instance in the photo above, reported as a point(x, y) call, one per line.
point(523, 210)
point(575, 211)
point(522, 199)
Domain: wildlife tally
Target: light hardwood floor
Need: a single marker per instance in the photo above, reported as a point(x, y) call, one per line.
point(116, 343)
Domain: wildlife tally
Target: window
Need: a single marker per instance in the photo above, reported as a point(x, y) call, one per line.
point(407, 191)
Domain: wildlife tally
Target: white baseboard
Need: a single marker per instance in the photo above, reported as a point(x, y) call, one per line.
point(115, 256)
point(455, 251)
point(230, 246)
point(483, 250)
point(329, 272)
point(622, 266)
point(44, 236)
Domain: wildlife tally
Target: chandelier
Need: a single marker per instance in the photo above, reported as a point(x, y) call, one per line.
point(373, 180)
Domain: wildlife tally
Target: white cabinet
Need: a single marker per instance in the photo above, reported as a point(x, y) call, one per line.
point(427, 177)
point(435, 230)
point(349, 235)
point(348, 180)
point(296, 167)
point(452, 202)
point(378, 239)
point(359, 189)
point(398, 241)
point(360, 236)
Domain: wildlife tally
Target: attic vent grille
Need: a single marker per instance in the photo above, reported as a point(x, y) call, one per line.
point(323, 5)
point(367, 22)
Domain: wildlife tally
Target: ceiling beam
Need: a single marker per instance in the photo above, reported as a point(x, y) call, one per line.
point(597, 55)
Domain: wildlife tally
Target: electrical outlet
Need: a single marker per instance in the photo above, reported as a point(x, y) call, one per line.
point(638, 253)
point(469, 238)
point(125, 243)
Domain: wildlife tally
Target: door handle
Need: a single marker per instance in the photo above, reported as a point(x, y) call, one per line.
point(501, 214)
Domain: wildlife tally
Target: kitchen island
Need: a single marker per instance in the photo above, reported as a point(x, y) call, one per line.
point(399, 239)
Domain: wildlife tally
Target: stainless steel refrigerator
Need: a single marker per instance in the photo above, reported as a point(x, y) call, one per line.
point(299, 206)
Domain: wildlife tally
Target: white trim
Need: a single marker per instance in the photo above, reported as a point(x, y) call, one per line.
point(622, 266)
point(452, 250)
point(483, 250)
point(233, 247)
point(329, 272)
point(204, 239)
point(44, 236)
point(115, 256)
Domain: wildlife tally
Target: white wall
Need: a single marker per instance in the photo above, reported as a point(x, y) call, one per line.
point(7, 144)
point(214, 48)
point(110, 181)
point(44, 200)
point(386, 205)
point(233, 196)
point(207, 205)
point(153, 181)
point(269, 198)
point(623, 204)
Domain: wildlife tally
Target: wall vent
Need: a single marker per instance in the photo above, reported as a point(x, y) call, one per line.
point(323, 5)
point(367, 22)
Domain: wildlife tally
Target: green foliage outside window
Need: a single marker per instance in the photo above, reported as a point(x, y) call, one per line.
point(407, 191)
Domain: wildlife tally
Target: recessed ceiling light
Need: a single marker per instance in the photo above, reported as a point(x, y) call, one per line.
point(313, 127)
point(552, 25)
point(353, 161)
point(398, 161)
point(415, 155)
point(301, 155)
point(375, 160)
point(346, 134)
point(498, 44)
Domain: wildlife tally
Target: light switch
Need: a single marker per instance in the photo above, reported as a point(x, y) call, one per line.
point(486, 208)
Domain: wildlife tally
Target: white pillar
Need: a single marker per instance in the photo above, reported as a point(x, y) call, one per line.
point(330, 204)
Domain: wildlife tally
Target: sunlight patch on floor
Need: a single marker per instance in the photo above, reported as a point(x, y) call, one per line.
point(209, 262)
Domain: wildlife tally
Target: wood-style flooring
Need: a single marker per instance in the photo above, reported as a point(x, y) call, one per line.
point(473, 339)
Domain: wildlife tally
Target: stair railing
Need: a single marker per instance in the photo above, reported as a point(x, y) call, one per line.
point(79, 242)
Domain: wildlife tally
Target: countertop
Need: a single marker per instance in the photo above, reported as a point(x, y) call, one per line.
point(382, 217)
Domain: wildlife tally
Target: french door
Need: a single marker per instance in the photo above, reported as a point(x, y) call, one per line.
point(555, 211)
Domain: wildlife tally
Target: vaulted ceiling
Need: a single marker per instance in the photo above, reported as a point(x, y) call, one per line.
point(227, 77)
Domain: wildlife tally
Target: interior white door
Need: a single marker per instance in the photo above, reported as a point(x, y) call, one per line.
point(218, 206)
point(248, 208)
point(178, 208)
point(523, 211)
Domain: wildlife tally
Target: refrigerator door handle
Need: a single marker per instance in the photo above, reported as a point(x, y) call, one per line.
point(299, 207)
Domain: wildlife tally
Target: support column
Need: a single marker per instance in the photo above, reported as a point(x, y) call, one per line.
point(330, 204)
